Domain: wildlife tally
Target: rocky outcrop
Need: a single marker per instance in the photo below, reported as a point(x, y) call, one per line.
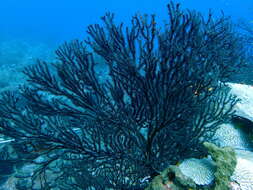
point(225, 163)
point(244, 108)
point(212, 173)
point(171, 179)
point(243, 174)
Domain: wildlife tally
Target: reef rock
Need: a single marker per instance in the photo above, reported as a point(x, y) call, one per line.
point(230, 135)
point(239, 132)
point(244, 108)
point(242, 178)
point(171, 179)
point(243, 174)
point(224, 169)
point(225, 163)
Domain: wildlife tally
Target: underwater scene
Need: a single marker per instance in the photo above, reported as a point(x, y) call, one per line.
point(126, 95)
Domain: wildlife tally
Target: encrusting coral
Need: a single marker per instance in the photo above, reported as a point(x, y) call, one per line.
point(174, 178)
point(225, 162)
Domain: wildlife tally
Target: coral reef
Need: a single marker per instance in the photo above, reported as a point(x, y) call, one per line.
point(176, 178)
point(242, 177)
point(234, 134)
point(243, 174)
point(171, 179)
point(229, 135)
point(14, 56)
point(238, 133)
point(200, 170)
point(244, 107)
point(162, 97)
point(225, 162)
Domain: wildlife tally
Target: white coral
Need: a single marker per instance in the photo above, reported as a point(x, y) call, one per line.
point(201, 171)
point(245, 92)
point(243, 174)
point(228, 135)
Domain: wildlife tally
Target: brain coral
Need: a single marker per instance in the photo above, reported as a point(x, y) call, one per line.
point(200, 170)
point(228, 135)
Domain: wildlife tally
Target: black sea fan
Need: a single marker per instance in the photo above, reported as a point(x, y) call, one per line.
point(161, 96)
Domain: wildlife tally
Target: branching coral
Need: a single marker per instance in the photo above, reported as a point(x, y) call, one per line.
point(160, 100)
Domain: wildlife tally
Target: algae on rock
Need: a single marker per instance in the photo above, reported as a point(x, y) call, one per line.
point(225, 160)
point(173, 178)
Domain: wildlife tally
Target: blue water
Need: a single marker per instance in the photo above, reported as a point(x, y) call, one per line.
point(54, 21)
point(32, 29)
